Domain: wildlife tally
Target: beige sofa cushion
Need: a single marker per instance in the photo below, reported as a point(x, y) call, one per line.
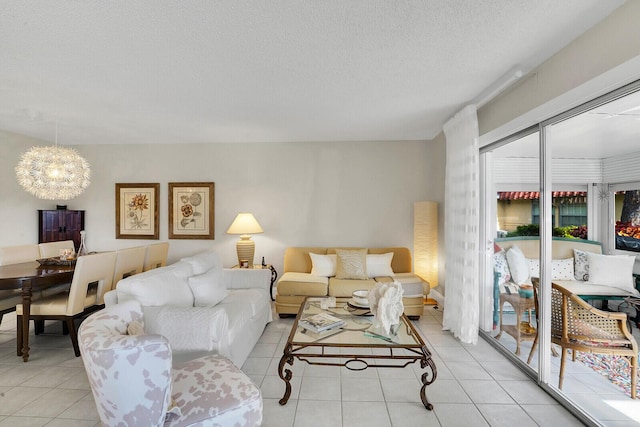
point(293, 283)
point(345, 287)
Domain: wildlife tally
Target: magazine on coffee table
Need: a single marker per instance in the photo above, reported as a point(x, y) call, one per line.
point(321, 322)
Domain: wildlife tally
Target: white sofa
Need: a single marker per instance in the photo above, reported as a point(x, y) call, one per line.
point(579, 281)
point(201, 307)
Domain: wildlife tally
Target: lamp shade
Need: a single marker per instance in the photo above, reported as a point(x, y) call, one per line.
point(53, 173)
point(425, 241)
point(245, 223)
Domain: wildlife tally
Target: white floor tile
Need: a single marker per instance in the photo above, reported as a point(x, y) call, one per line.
point(311, 414)
point(505, 415)
point(361, 390)
point(486, 391)
point(364, 414)
point(411, 414)
point(459, 415)
point(551, 415)
point(320, 388)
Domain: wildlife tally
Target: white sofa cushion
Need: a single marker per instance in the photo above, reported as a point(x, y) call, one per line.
point(159, 286)
point(581, 288)
point(501, 266)
point(323, 265)
point(379, 265)
point(518, 265)
point(208, 288)
point(203, 261)
point(612, 270)
point(188, 328)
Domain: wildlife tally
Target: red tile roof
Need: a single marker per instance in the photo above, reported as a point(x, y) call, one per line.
point(535, 195)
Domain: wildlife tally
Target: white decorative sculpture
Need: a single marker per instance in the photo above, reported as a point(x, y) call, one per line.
point(385, 301)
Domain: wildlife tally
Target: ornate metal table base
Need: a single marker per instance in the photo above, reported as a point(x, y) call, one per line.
point(358, 363)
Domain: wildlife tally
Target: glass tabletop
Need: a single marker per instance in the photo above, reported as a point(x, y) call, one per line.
point(358, 331)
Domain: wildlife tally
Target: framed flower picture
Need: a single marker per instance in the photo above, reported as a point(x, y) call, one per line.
point(137, 208)
point(191, 210)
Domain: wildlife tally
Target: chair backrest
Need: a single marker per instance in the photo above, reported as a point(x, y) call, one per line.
point(111, 356)
point(90, 269)
point(156, 256)
point(18, 254)
point(129, 261)
point(52, 249)
point(573, 320)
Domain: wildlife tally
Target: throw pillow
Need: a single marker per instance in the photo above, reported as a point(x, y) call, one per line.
point(534, 267)
point(501, 266)
point(379, 265)
point(581, 265)
point(612, 270)
point(208, 288)
point(562, 269)
point(135, 327)
point(351, 264)
point(518, 265)
point(203, 261)
point(323, 265)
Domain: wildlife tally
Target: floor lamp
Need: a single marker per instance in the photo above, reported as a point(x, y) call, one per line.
point(425, 242)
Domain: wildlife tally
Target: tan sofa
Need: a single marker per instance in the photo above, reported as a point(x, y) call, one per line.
point(297, 282)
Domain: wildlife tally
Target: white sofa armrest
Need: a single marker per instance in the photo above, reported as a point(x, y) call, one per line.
point(245, 278)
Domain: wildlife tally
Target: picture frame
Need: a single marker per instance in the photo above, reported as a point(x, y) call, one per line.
point(137, 211)
point(191, 210)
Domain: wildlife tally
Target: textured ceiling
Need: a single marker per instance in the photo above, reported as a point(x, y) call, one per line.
point(151, 71)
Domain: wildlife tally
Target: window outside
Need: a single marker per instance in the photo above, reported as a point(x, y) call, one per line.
point(519, 213)
point(627, 214)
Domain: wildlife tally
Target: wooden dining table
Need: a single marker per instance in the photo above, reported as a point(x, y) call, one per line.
point(30, 277)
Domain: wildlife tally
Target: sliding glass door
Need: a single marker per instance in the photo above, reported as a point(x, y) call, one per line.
point(573, 178)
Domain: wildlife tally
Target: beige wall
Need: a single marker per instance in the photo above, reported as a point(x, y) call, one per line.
point(513, 214)
point(307, 194)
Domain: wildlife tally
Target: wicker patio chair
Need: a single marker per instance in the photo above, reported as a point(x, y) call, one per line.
point(578, 326)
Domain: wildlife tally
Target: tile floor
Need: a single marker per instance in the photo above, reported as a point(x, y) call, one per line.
point(476, 386)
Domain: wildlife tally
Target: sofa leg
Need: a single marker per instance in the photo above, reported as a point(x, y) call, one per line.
point(286, 315)
point(414, 317)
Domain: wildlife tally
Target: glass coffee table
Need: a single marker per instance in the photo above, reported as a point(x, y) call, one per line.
point(387, 351)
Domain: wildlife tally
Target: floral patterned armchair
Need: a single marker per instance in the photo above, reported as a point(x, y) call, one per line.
point(133, 382)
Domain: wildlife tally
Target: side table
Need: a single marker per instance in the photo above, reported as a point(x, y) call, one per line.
point(274, 275)
point(520, 306)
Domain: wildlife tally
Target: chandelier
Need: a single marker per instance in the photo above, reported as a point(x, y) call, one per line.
point(53, 173)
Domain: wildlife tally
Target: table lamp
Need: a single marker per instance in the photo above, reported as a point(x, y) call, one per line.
point(245, 224)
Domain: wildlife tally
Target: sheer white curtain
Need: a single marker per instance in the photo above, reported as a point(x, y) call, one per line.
point(461, 232)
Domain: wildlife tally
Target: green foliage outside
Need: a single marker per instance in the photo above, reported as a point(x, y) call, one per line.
point(571, 231)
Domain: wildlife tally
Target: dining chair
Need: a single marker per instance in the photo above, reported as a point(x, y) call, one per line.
point(156, 255)
point(18, 254)
point(52, 249)
point(129, 261)
point(577, 325)
point(93, 275)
